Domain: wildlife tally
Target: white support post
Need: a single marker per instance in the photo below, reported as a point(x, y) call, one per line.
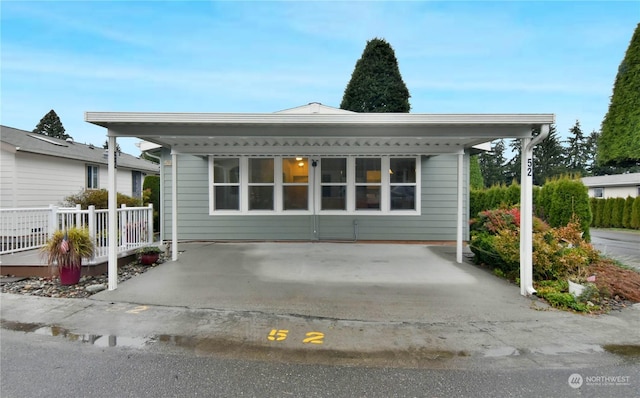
point(113, 219)
point(460, 212)
point(174, 206)
point(526, 211)
point(526, 218)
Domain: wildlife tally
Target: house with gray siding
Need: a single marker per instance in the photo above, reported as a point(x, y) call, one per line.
point(317, 173)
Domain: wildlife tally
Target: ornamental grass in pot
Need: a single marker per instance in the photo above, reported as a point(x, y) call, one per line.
point(66, 249)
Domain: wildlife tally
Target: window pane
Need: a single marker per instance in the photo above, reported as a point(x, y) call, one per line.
point(334, 170)
point(295, 197)
point(367, 198)
point(226, 171)
point(261, 170)
point(334, 198)
point(260, 198)
point(295, 171)
point(368, 170)
point(403, 198)
point(227, 197)
point(402, 170)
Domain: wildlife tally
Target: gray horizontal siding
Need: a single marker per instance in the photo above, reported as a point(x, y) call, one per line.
point(436, 222)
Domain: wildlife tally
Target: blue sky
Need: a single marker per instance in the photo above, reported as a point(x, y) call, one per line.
point(208, 56)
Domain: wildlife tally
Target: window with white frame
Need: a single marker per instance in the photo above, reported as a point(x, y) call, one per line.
point(92, 176)
point(295, 183)
point(226, 184)
point(333, 180)
point(327, 185)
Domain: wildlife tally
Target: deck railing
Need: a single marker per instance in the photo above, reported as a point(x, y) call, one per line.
point(29, 228)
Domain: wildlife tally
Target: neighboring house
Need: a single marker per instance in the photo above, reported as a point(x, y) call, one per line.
point(37, 170)
point(613, 186)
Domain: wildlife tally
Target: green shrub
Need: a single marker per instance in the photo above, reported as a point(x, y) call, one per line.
point(100, 199)
point(477, 201)
point(570, 200)
point(607, 213)
point(626, 212)
point(152, 186)
point(617, 212)
point(595, 212)
point(600, 203)
point(512, 195)
point(635, 213)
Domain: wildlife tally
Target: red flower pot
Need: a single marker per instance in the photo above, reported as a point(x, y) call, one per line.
point(149, 258)
point(70, 275)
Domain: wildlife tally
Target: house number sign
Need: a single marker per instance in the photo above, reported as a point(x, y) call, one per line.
point(282, 334)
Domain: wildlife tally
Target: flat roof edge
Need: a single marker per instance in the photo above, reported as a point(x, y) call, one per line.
point(106, 118)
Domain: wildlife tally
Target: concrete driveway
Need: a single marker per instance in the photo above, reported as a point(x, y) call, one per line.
point(369, 282)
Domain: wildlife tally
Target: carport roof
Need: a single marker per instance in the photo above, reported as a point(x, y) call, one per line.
point(311, 132)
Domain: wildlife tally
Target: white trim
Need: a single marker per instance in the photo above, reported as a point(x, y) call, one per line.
point(106, 118)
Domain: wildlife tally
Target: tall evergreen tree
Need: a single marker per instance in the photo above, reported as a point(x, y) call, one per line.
point(576, 151)
point(475, 175)
point(492, 164)
point(512, 168)
point(50, 125)
point(620, 140)
point(376, 84)
point(548, 157)
point(591, 149)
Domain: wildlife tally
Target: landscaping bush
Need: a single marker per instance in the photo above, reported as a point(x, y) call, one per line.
point(99, 198)
point(626, 212)
point(151, 185)
point(595, 212)
point(607, 214)
point(570, 199)
point(557, 252)
point(635, 213)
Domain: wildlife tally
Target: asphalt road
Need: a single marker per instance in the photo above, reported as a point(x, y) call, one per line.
point(623, 246)
point(45, 366)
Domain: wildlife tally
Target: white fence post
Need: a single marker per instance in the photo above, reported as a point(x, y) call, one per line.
point(124, 218)
point(150, 222)
point(53, 220)
point(91, 224)
point(79, 216)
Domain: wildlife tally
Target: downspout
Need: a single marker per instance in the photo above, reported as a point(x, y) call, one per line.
point(459, 214)
point(174, 206)
point(526, 211)
point(161, 169)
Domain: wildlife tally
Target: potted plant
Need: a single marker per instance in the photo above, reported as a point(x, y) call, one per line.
point(66, 249)
point(148, 255)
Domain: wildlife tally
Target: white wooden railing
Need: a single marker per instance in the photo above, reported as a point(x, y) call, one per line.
point(29, 228)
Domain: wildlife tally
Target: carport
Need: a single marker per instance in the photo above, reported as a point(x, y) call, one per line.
point(318, 131)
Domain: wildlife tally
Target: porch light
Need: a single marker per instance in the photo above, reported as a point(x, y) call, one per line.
point(298, 159)
point(301, 164)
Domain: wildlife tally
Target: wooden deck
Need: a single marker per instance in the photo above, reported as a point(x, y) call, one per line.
point(31, 263)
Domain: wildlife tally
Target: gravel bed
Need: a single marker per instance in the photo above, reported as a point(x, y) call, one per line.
point(88, 285)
